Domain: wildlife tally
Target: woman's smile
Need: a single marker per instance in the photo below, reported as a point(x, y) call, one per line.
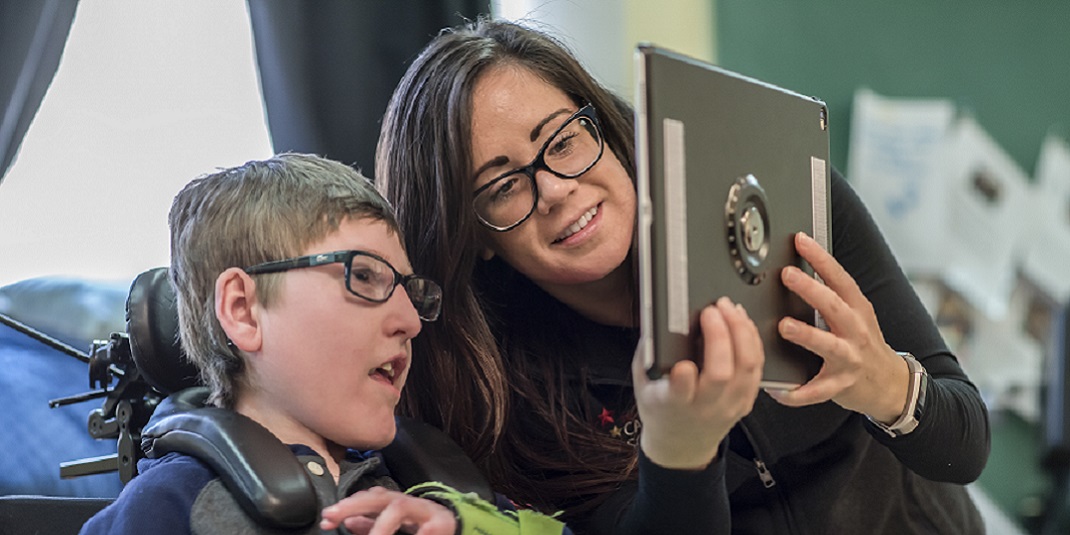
point(581, 224)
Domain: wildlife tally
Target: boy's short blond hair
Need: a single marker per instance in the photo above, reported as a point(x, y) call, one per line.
point(238, 217)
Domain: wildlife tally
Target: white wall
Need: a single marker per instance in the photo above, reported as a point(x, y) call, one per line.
point(148, 96)
point(603, 33)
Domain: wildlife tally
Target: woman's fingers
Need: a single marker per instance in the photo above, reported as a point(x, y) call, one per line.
point(718, 361)
point(687, 414)
point(747, 348)
point(819, 389)
point(825, 344)
point(678, 388)
point(824, 299)
point(830, 270)
point(841, 303)
point(858, 363)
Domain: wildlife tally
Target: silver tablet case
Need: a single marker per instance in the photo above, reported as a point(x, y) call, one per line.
point(729, 169)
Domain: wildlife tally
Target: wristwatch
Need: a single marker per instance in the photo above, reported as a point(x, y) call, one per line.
point(915, 406)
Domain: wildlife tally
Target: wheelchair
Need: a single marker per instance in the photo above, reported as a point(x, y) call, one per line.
point(157, 406)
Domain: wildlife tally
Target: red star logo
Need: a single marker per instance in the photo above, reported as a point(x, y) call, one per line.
point(606, 417)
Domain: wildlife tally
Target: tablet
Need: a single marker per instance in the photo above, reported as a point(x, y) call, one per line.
point(729, 168)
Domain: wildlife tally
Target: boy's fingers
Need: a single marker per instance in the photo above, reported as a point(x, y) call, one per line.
point(357, 525)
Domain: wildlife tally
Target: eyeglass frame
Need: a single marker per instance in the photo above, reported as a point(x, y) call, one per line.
point(539, 163)
point(346, 259)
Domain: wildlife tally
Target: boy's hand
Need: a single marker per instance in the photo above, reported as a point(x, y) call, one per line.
point(378, 511)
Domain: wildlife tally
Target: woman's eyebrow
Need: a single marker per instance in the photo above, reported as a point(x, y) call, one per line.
point(494, 162)
point(538, 128)
point(535, 132)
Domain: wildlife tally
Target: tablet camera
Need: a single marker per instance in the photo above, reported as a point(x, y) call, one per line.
point(747, 226)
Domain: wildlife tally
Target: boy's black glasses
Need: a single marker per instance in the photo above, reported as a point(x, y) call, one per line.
point(368, 276)
point(509, 199)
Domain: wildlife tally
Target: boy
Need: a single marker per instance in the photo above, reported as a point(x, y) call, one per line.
point(297, 304)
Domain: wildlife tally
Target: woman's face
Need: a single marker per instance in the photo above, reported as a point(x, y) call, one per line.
point(581, 229)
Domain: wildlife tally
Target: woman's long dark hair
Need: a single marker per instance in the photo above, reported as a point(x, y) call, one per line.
point(503, 398)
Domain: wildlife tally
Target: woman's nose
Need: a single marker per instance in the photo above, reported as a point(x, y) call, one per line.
point(552, 190)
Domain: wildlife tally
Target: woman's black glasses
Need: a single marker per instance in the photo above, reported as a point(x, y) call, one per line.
point(368, 276)
point(509, 199)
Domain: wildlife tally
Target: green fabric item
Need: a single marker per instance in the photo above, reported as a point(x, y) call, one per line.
point(536, 523)
point(476, 516)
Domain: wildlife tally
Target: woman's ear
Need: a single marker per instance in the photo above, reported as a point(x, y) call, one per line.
point(238, 309)
point(486, 252)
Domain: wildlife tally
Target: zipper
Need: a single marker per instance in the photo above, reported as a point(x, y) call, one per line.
point(763, 471)
point(766, 477)
point(764, 474)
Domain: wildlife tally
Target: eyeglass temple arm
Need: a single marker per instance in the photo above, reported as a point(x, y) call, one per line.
point(292, 263)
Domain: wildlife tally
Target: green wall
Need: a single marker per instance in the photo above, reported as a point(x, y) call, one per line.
point(1007, 63)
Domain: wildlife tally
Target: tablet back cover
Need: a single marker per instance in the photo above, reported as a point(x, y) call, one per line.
point(729, 169)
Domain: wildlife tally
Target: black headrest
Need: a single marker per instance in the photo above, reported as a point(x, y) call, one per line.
point(152, 323)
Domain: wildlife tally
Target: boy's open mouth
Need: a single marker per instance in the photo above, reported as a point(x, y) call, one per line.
point(390, 371)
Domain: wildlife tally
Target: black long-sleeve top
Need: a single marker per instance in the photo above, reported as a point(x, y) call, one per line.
point(817, 469)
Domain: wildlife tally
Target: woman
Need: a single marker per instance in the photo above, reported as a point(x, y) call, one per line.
point(511, 170)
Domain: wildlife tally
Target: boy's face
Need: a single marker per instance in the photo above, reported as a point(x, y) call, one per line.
point(321, 373)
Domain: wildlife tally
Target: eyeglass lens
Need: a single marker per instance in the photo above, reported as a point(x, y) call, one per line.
point(375, 280)
point(508, 200)
point(425, 295)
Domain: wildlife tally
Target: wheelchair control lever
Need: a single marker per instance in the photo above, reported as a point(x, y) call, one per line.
point(88, 467)
point(77, 398)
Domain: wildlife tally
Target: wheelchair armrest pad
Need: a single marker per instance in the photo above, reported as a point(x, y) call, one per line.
point(258, 469)
point(421, 452)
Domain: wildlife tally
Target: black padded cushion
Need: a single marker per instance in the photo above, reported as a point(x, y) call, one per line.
point(259, 470)
point(152, 323)
point(421, 452)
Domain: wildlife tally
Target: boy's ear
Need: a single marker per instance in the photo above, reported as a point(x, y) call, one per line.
point(487, 253)
point(237, 309)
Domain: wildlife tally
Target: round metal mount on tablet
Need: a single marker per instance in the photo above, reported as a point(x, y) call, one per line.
point(747, 228)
